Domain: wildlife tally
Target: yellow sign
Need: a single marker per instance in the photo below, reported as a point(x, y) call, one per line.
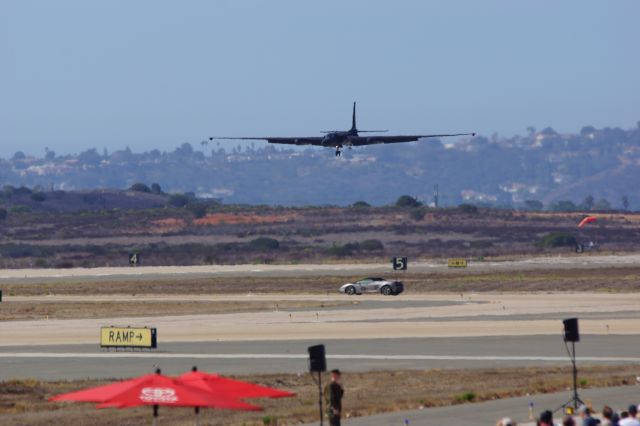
point(457, 263)
point(128, 337)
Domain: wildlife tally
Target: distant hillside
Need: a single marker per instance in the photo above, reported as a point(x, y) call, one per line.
point(72, 201)
point(543, 165)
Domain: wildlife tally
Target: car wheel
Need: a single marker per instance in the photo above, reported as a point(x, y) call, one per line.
point(386, 290)
point(350, 290)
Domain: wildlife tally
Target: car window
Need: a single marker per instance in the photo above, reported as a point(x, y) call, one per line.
point(365, 281)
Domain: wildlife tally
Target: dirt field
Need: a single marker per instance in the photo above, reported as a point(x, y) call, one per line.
point(619, 279)
point(25, 401)
point(225, 235)
point(30, 309)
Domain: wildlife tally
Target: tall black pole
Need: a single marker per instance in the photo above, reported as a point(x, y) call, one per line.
point(320, 396)
point(575, 376)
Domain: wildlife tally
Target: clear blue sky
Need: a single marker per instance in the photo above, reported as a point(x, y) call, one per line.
point(154, 74)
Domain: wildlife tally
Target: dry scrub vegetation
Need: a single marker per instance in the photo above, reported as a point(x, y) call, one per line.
point(605, 279)
point(225, 235)
point(25, 401)
point(24, 310)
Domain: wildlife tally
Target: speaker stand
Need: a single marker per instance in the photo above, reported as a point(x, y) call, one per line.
point(575, 400)
point(320, 396)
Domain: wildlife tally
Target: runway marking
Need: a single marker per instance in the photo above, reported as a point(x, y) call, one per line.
point(305, 356)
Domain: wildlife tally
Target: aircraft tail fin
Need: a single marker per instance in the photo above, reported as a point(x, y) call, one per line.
point(353, 118)
point(355, 129)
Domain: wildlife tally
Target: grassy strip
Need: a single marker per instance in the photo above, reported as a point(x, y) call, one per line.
point(606, 279)
point(23, 310)
point(25, 401)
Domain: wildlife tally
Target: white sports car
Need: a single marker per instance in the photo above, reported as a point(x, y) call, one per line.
point(373, 285)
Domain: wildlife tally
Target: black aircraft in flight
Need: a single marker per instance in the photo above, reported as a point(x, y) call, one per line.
point(339, 139)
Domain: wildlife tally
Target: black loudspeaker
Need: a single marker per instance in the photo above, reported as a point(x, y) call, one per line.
point(317, 360)
point(571, 333)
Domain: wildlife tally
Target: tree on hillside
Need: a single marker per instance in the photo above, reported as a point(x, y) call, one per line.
point(90, 156)
point(602, 205)
point(198, 209)
point(178, 200)
point(139, 187)
point(468, 208)
point(19, 155)
point(408, 201)
point(360, 204)
point(155, 188)
point(625, 202)
point(587, 203)
point(418, 214)
point(563, 206)
point(533, 205)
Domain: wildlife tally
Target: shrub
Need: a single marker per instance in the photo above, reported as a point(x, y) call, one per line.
point(178, 200)
point(407, 201)
point(371, 245)
point(19, 208)
point(64, 265)
point(480, 244)
point(140, 187)
point(155, 188)
point(3, 213)
point(418, 214)
point(361, 205)
point(264, 244)
point(564, 206)
point(468, 208)
point(269, 420)
point(557, 239)
point(23, 190)
point(38, 197)
point(23, 250)
point(466, 397)
point(8, 191)
point(344, 250)
point(533, 205)
point(198, 209)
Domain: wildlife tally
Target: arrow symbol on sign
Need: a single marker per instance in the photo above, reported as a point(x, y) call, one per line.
point(139, 336)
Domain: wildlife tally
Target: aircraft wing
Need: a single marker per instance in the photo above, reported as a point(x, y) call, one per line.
point(372, 140)
point(312, 140)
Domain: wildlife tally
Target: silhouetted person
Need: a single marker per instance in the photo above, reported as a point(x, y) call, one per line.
point(607, 416)
point(333, 394)
point(568, 421)
point(546, 418)
point(631, 419)
point(587, 418)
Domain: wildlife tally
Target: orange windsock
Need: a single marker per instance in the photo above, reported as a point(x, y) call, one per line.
point(588, 219)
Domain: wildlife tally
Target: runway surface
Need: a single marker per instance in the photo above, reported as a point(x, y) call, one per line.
point(156, 272)
point(80, 361)
point(488, 413)
point(418, 331)
point(376, 317)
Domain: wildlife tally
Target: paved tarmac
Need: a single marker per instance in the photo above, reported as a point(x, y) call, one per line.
point(488, 413)
point(202, 271)
point(81, 361)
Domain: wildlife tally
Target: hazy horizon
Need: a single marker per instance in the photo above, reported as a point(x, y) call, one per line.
point(156, 74)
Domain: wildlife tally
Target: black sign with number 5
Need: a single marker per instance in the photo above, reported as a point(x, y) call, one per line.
point(399, 263)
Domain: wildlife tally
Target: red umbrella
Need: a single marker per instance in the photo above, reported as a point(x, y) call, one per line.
point(219, 385)
point(155, 390)
point(230, 388)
